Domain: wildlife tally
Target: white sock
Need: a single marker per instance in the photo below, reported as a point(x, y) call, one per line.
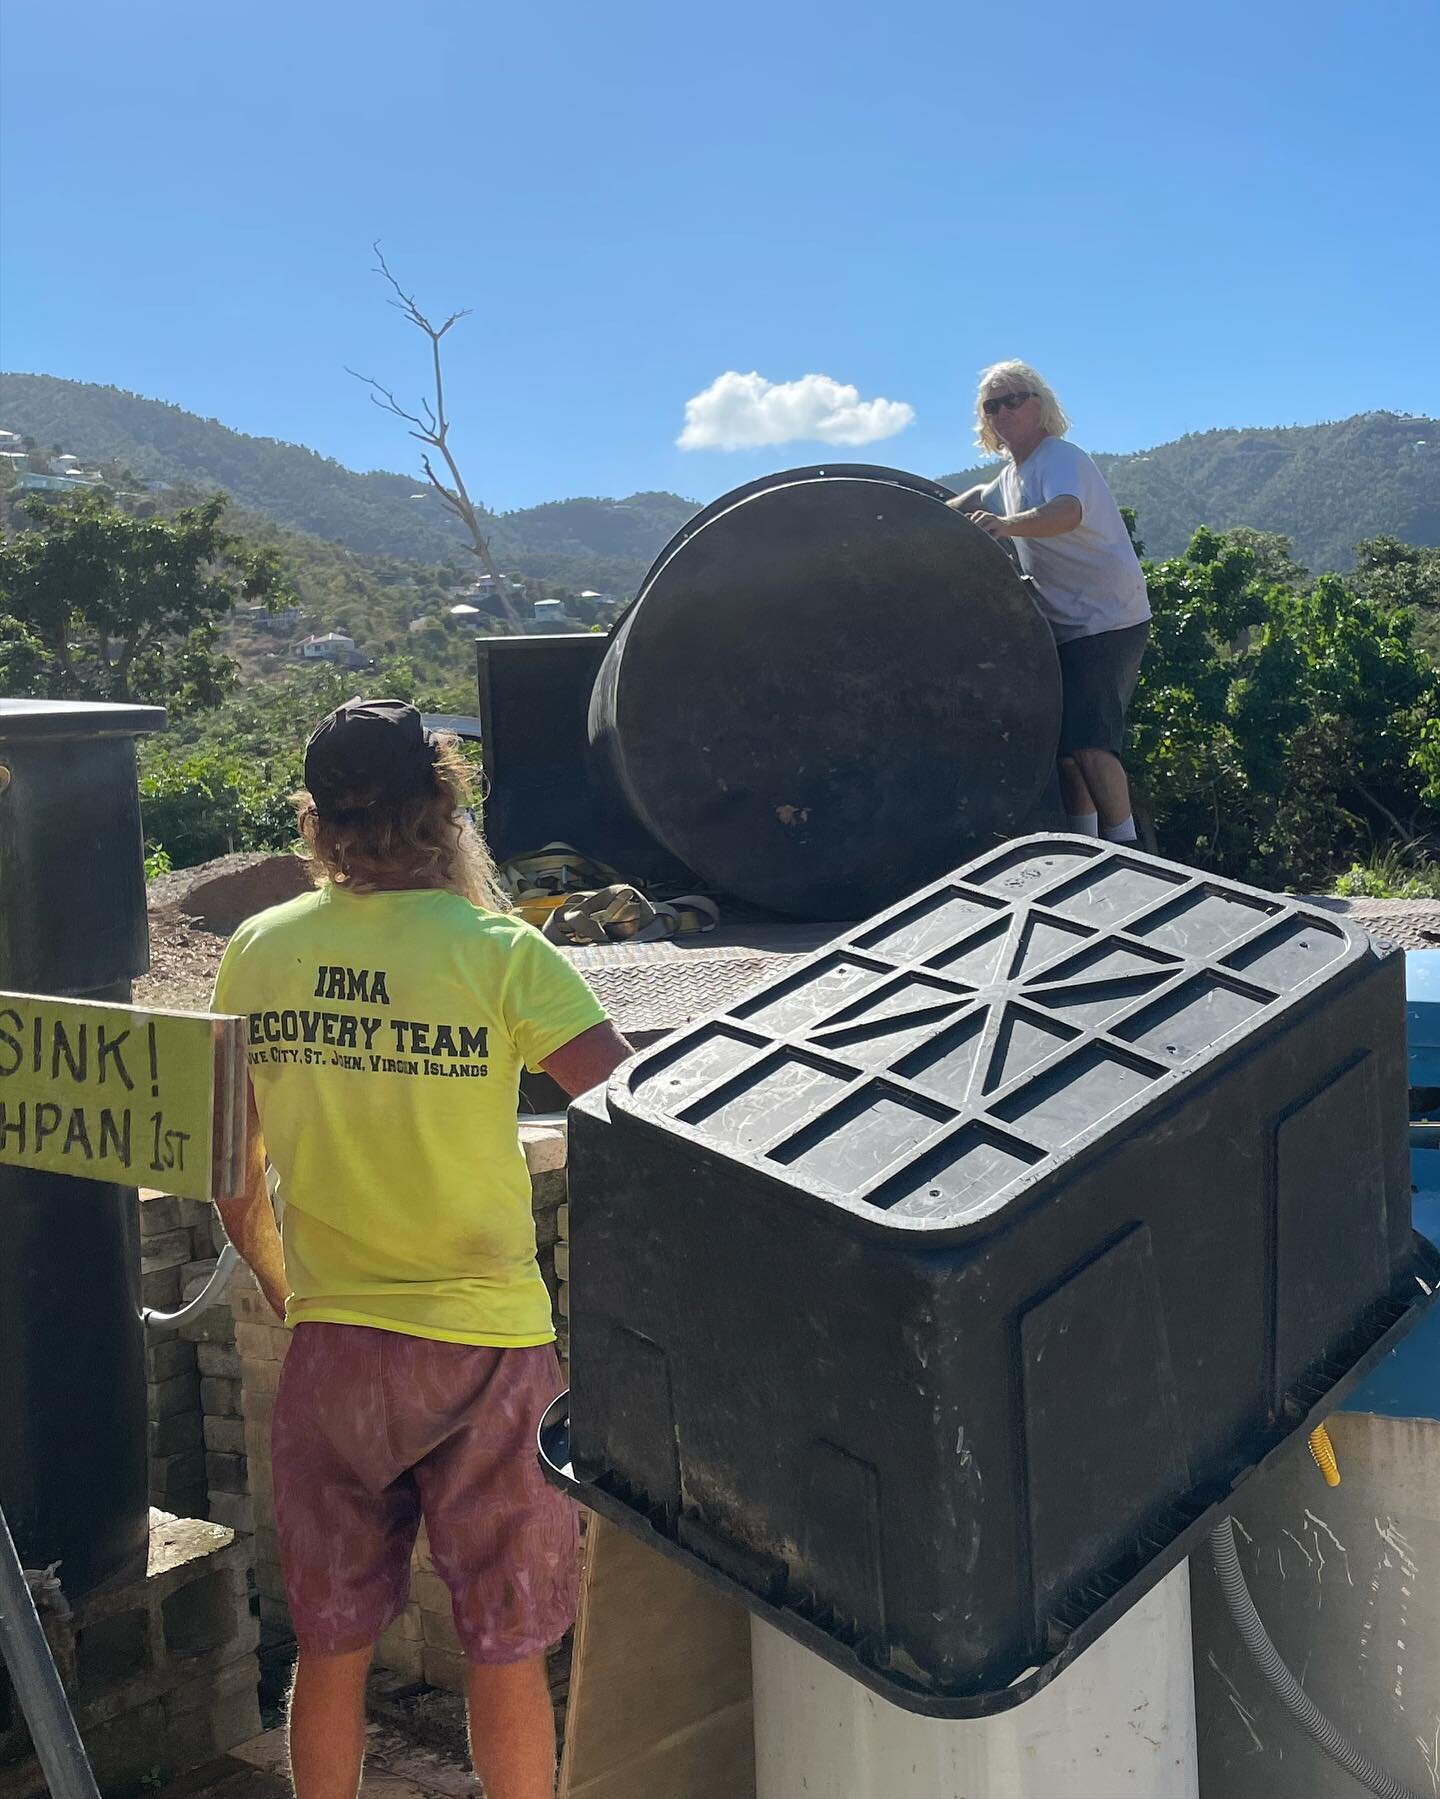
point(1124, 832)
point(1084, 824)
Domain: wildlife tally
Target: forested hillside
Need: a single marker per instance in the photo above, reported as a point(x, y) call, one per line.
point(600, 543)
point(1325, 487)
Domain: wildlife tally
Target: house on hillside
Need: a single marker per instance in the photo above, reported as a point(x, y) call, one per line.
point(29, 483)
point(261, 618)
point(333, 647)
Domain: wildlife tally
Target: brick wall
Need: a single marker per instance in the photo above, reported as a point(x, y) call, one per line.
point(161, 1671)
point(196, 1430)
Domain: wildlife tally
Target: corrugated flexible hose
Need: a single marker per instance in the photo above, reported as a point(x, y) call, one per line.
point(1301, 1707)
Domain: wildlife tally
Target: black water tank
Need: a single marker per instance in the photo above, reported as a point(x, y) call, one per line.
point(935, 1293)
point(830, 689)
point(73, 1478)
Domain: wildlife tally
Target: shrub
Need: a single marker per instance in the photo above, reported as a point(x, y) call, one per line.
point(1395, 874)
point(209, 803)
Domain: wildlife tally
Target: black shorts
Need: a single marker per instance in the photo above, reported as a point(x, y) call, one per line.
point(1098, 676)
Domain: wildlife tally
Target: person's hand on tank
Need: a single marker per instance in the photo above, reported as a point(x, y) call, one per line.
point(987, 521)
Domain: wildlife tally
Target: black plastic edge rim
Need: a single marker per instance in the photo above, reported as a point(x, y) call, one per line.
point(553, 1449)
point(819, 471)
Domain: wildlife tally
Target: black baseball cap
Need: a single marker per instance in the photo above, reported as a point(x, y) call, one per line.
point(367, 752)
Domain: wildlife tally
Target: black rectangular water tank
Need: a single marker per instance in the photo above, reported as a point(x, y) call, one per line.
point(72, 923)
point(543, 784)
point(932, 1292)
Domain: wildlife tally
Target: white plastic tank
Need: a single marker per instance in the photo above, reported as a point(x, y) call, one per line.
point(1119, 1723)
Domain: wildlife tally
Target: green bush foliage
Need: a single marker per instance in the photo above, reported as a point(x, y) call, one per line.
point(207, 803)
point(1396, 873)
point(1281, 730)
point(223, 781)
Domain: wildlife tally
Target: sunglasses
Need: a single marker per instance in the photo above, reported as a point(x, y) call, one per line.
point(1008, 401)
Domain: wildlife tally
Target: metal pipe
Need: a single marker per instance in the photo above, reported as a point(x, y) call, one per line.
point(210, 1294)
point(225, 1265)
point(37, 1682)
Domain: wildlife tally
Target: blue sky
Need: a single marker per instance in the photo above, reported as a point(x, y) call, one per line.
point(1186, 217)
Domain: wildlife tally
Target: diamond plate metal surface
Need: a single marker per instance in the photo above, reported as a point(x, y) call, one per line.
point(653, 987)
point(1408, 924)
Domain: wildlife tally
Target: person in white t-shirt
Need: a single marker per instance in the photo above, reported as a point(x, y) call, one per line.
point(1071, 542)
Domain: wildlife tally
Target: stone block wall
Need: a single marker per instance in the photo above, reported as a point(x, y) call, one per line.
point(161, 1671)
point(197, 1433)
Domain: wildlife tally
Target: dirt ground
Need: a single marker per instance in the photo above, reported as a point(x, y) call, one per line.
point(184, 956)
point(193, 912)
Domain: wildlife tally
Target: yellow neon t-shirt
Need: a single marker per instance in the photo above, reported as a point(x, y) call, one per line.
point(386, 1037)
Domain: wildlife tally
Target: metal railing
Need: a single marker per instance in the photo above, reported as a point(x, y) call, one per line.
point(37, 1684)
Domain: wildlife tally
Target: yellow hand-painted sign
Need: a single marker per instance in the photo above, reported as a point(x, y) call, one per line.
point(115, 1093)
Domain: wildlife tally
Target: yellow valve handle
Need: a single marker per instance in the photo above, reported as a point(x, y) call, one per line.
point(1323, 1451)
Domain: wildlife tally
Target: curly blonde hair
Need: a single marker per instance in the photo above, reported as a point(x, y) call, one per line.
point(424, 840)
point(1006, 377)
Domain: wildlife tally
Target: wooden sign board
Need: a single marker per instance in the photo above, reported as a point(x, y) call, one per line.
point(660, 1704)
point(116, 1093)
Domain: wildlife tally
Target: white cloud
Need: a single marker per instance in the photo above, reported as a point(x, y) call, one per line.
point(746, 412)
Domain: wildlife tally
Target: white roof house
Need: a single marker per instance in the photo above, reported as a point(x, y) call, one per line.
point(67, 483)
point(333, 646)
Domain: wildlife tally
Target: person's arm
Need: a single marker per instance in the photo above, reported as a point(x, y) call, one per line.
point(249, 1218)
point(587, 1060)
point(1053, 519)
point(970, 500)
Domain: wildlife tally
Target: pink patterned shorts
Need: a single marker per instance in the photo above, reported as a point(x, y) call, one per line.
point(373, 1431)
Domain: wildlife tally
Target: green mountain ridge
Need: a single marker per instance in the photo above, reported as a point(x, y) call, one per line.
point(1323, 486)
point(585, 542)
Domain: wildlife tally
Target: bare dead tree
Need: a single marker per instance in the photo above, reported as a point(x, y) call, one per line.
point(432, 427)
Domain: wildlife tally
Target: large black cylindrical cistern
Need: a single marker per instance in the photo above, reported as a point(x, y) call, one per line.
point(830, 689)
point(73, 1478)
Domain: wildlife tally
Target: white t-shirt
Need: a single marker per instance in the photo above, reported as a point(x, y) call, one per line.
point(1088, 580)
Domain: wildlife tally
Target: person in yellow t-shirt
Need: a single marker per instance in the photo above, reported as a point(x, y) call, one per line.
point(389, 1015)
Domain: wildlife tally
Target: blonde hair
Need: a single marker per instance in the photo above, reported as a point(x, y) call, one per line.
point(1008, 376)
point(424, 840)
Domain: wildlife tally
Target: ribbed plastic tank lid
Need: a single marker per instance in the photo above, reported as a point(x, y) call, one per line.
point(928, 1068)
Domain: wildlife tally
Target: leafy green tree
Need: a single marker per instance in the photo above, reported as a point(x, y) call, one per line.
point(1275, 564)
point(1280, 731)
point(131, 608)
point(25, 667)
point(1403, 574)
